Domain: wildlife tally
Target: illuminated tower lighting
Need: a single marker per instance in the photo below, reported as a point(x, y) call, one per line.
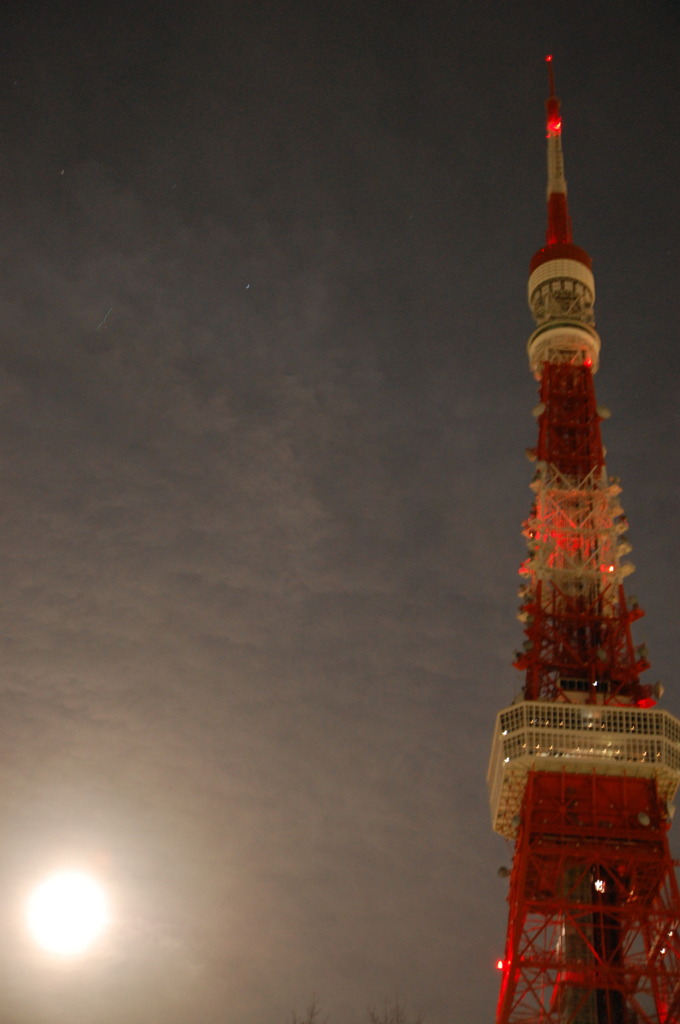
point(584, 766)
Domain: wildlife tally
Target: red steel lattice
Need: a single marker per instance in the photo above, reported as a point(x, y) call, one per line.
point(594, 929)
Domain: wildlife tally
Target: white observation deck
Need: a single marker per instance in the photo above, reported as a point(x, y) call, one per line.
point(580, 738)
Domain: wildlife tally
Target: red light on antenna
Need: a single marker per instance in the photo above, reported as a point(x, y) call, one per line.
point(549, 57)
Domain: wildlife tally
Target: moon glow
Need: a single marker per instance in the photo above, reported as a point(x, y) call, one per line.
point(67, 912)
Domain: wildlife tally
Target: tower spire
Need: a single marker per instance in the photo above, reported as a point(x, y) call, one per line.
point(559, 221)
point(561, 282)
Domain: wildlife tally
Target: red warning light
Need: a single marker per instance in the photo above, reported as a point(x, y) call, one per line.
point(500, 965)
point(549, 57)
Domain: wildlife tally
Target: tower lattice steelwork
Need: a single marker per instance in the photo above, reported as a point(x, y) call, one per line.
point(584, 766)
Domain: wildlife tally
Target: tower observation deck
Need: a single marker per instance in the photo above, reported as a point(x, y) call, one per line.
point(584, 765)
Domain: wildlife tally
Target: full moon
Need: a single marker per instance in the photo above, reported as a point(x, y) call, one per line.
point(67, 912)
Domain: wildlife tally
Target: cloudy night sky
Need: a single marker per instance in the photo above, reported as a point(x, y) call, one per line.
point(264, 401)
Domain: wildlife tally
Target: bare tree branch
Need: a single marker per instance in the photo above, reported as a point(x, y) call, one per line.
point(392, 1013)
point(312, 1014)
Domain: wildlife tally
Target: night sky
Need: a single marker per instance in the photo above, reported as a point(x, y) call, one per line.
point(264, 401)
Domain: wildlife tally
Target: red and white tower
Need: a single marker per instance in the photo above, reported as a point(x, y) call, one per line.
point(584, 766)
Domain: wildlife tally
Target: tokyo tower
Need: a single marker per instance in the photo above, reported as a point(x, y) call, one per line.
point(584, 766)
